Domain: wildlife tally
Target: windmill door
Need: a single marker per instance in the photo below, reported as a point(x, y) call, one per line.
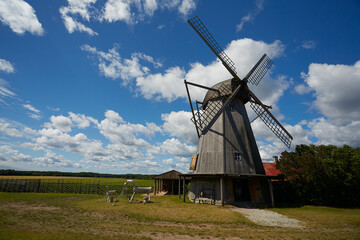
point(241, 190)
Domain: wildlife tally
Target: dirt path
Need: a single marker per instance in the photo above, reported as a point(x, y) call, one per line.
point(269, 218)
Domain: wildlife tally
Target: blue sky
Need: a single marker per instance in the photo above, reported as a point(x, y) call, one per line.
point(89, 85)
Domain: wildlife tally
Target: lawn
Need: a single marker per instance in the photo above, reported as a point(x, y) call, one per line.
point(85, 216)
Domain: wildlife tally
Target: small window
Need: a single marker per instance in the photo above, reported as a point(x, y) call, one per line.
point(237, 156)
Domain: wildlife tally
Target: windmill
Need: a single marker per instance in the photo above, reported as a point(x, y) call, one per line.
point(227, 166)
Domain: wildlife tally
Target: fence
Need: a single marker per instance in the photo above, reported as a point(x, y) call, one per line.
point(56, 186)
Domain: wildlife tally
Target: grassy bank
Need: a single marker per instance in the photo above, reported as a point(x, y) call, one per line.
point(71, 216)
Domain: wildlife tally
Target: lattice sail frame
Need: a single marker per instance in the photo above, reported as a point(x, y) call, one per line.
point(204, 33)
point(204, 117)
point(269, 121)
point(259, 70)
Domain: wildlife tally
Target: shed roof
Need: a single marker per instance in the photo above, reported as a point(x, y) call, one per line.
point(173, 174)
point(270, 169)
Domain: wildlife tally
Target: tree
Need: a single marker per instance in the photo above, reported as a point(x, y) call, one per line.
point(323, 175)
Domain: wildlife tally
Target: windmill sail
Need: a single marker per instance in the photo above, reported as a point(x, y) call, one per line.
point(204, 33)
point(204, 119)
point(259, 70)
point(270, 121)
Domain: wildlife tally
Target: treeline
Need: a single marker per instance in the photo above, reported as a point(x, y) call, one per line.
point(11, 172)
point(323, 175)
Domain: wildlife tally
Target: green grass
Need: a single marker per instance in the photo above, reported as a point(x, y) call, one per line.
point(82, 216)
point(335, 218)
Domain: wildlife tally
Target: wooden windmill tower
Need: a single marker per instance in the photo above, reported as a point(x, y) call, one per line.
point(227, 167)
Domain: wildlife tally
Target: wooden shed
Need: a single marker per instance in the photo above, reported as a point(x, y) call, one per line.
point(167, 182)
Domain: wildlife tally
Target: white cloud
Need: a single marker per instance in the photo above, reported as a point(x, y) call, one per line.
point(91, 150)
point(174, 147)
point(113, 116)
point(4, 91)
point(35, 116)
point(161, 26)
point(148, 59)
point(336, 89)
point(7, 130)
point(53, 109)
point(77, 8)
point(251, 15)
point(8, 154)
point(35, 113)
point(118, 10)
point(186, 7)
point(162, 86)
point(6, 66)
point(150, 6)
point(73, 25)
point(61, 123)
point(20, 17)
point(113, 66)
point(179, 125)
point(120, 132)
point(31, 108)
point(53, 160)
point(302, 89)
point(126, 152)
point(49, 159)
point(128, 11)
point(308, 44)
point(131, 12)
point(330, 132)
point(81, 120)
point(168, 161)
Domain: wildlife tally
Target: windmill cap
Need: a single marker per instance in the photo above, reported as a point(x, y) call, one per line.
point(227, 87)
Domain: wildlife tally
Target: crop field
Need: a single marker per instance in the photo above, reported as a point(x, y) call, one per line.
point(86, 216)
point(79, 185)
point(102, 181)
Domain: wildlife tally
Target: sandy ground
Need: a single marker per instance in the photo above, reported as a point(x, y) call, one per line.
point(269, 218)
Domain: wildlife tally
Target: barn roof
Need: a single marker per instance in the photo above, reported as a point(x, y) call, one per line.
point(173, 174)
point(270, 169)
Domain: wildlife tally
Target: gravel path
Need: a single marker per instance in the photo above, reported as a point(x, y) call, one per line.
point(269, 218)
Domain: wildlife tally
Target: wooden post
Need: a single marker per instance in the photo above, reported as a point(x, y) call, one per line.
point(222, 190)
point(184, 188)
point(98, 187)
point(271, 193)
point(172, 187)
point(179, 189)
point(155, 186)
